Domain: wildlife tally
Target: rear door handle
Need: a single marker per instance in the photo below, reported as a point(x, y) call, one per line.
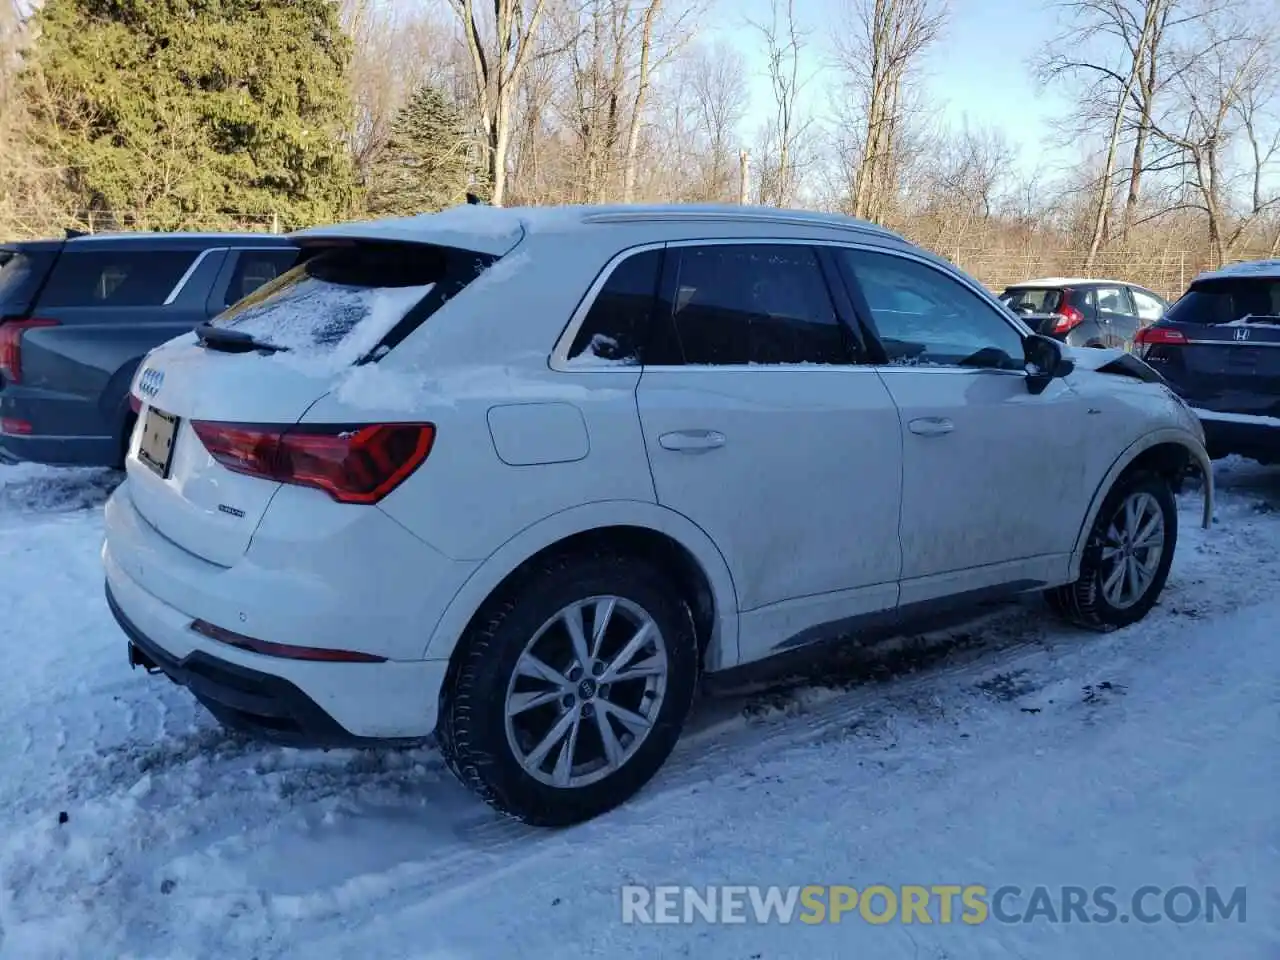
point(692, 441)
point(931, 426)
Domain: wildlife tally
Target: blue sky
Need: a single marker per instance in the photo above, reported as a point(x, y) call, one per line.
point(978, 69)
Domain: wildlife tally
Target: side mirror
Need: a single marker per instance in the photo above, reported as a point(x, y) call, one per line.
point(1045, 362)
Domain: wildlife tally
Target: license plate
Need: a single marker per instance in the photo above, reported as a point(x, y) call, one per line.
point(155, 447)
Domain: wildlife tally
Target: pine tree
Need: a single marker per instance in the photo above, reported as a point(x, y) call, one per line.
point(429, 161)
point(182, 111)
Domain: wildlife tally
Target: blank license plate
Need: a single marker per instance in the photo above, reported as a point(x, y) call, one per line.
point(155, 448)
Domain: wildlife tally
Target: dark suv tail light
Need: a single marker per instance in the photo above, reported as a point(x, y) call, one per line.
point(1165, 336)
point(11, 332)
point(1067, 318)
point(359, 463)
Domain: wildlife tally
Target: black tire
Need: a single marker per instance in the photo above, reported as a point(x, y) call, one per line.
point(472, 728)
point(1084, 602)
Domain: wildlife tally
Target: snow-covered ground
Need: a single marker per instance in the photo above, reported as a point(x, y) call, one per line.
point(1010, 750)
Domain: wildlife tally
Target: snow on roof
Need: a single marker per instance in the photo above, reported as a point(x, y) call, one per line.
point(496, 230)
point(1064, 282)
point(1246, 268)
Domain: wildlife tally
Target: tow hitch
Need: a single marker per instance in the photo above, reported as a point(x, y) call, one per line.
point(139, 659)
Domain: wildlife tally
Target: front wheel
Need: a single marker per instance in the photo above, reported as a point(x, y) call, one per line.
point(571, 689)
point(1127, 557)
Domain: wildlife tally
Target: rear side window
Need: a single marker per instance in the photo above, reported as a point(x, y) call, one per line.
point(21, 273)
point(736, 304)
point(347, 299)
point(254, 268)
point(118, 278)
point(618, 320)
point(1026, 300)
point(1228, 300)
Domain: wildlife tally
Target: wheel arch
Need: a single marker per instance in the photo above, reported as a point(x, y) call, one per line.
point(643, 529)
point(1168, 452)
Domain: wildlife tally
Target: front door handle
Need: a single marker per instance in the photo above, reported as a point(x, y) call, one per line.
point(692, 441)
point(931, 426)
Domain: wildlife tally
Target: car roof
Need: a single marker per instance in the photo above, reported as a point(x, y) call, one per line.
point(176, 240)
point(1071, 282)
point(1264, 269)
point(496, 230)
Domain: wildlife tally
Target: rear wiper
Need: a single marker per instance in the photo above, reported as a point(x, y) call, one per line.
point(233, 341)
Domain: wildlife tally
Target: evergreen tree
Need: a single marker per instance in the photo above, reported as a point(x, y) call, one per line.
point(184, 110)
point(429, 162)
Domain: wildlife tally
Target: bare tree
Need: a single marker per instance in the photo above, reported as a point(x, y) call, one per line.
point(783, 41)
point(878, 55)
point(1225, 109)
point(716, 78)
point(1114, 49)
point(500, 51)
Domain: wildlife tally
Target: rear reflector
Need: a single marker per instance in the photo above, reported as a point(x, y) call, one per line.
point(359, 463)
point(135, 404)
point(14, 427)
point(11, 332)
point(1149, 336)
point(283, 650)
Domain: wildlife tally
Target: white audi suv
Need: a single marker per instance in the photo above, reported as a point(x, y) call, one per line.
point(518, 477)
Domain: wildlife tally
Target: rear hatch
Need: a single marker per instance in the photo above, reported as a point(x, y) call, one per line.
point(215, 405)
point(1219, 345)
point(1040, 308)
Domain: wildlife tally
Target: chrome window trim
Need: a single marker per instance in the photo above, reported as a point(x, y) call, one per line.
point(560, 362)
point(195, 264)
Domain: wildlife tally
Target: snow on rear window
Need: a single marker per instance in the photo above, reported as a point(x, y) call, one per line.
point(336, 306)
point(313, 319)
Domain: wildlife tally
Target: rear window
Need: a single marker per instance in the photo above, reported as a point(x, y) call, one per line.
point(1032, 299)
point(115, 278)
point(21, 272)
point(347, 299)
point(1213, 302)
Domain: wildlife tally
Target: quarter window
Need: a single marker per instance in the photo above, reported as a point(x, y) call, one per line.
point(618, 321)
point(924, 317)
point(738, 304)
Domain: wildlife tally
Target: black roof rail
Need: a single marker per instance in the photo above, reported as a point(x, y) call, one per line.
point(72, 234)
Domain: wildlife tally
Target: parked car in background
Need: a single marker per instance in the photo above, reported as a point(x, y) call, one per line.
point(1219, 348)
point(1085, 313)
point(77, 316)
point(521, 476)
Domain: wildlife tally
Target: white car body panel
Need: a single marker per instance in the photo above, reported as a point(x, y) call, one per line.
point(822, 505)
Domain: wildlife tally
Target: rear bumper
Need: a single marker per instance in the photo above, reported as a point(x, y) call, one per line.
point(155, 591)
point(1247, 435)
point(266, 706)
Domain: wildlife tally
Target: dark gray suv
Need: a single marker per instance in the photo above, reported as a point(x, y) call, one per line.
point(78, 315)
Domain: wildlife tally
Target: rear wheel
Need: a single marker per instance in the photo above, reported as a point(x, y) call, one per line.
point(571, 689)
point(1127, 557)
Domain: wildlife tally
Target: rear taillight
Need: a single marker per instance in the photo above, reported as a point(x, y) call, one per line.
point(1066, 318)
point(353, 464)
point(1166, 336)
point(11, 332)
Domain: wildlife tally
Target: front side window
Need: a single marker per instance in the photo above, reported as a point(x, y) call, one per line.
point(924, 317)
point(1149, 308)
point(255, 268)
point(751, 304)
